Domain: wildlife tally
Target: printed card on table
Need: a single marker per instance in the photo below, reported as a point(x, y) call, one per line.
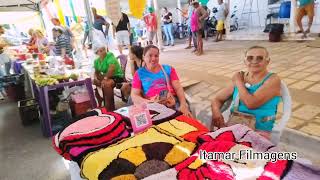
point(140, 118)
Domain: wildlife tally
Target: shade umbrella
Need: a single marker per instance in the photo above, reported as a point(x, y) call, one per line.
point(204, 2)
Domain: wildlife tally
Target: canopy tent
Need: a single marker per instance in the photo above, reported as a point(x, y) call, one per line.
point(23, 15)
point(18, 5)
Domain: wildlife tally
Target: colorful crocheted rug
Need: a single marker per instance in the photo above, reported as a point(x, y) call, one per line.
point(90, 134)
point(229, 141)
point(140, 156)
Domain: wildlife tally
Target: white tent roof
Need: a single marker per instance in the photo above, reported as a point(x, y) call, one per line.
point(17, 5)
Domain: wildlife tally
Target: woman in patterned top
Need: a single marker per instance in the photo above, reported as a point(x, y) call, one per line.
point(156, 83)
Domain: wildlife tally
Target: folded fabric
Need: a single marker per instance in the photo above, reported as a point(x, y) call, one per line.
point(240, 134)
point(185, 127)
point(159, 113)
point(150, 152)
point(90, 134)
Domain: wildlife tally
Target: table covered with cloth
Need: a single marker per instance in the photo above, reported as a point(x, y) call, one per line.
point(104, 146)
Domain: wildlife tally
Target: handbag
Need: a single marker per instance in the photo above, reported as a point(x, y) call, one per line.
point(237, 117)
point(171, 101)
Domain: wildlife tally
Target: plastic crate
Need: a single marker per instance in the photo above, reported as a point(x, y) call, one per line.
point(13, 79)
point(15, 92)
point(29, 111)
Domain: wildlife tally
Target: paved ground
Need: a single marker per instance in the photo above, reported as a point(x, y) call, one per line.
point(25, 154)
point(297, 65)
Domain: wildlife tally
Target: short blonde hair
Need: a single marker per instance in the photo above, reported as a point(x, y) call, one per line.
point(257, 47)
point(30, 32)
point(38, 32)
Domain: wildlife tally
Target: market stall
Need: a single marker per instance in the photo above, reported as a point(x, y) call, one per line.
point(103, 145)
point(50, 74)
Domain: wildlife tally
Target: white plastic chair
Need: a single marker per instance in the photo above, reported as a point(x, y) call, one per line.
point(287, 109)
point(278, 127)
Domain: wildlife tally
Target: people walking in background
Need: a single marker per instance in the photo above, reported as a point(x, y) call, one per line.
point(152, 25)
point(305, 7)
point(32, 44)
point(62, 45)
point(221, 17)
point(122, 32)
point(86, 30)
point(205, 28)
point(188, 15)
point(66, 31)
point(168, 26)
point(42, 42)
point(99, 22)
point(197, 24)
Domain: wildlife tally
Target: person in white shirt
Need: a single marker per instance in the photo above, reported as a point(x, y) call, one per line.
point(221, 17)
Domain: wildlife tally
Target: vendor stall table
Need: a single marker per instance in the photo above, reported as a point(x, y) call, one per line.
point(41, 93)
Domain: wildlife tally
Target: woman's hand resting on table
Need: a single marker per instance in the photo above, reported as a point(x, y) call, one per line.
point(185, 110)
point(218, 121)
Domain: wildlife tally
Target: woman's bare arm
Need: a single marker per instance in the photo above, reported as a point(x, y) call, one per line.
point(180, 92)
point(220, 98)
point(267, 91)
point(137, 98)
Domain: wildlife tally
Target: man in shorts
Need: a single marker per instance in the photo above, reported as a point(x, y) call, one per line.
point(99, 22)
point(152, 25)
point(200, 13)
point(305, 7)
point(122, 32)
point(221, 17)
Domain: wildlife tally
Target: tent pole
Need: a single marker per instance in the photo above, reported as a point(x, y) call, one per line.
point(180, 18)
point(292, 25)
point(40, 16)
point(89, 16)
point(159, 32)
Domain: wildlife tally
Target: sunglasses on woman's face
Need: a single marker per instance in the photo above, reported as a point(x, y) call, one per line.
point(255, 59)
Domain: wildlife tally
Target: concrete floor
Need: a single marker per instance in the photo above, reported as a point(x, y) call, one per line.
point(24, 152)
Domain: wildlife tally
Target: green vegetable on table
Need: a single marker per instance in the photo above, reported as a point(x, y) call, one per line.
point(59, 77)
point(74, 77)
point(46, 81)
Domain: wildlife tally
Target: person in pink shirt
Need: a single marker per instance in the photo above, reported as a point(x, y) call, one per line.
point(152, 24)
point(158, 83)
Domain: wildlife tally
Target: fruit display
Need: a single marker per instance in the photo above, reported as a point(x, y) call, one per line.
point(36, 71)
point(59, 77)
point(46, 81)
point(42, 63)
point(74, 77)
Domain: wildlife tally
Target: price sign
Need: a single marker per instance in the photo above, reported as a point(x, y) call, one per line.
point(140, 117)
